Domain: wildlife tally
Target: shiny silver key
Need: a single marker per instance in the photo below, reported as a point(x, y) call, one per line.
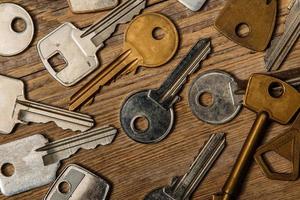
point(85, 6)
point(80, 184)
point(16, 109)
point(156, 106)
point(36, 161)
point(78, 47)
point(193, 5)
point(182, 188)
point(280, 47)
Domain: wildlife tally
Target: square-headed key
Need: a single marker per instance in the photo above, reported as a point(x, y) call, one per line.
point(35, 160)
point(85, 6)
point(15, 109)
point(78, 47)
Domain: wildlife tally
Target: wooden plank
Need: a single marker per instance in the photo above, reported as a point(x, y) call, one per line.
point(135, 169)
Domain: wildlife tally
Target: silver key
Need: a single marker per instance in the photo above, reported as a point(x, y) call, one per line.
point(16, 109)
point(193, 5)
point(78, 47)
point(36, 161)
point(156, 106)
point(80, 185)
point(280, 47)
point(182, 188)
point(85, 6)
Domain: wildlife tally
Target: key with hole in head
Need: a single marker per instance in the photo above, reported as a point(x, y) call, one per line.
point(270, 104)
point(216, 97)
point(16, 109)
point(85, 6)
point(77, 183)
point(156, 106)
point(78, 47)
point(35, 160)
point(141, 48)
point(281, 46)
point(182, 187)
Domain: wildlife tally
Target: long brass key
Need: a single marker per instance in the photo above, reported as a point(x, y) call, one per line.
point(141, 48)
point(262, 98)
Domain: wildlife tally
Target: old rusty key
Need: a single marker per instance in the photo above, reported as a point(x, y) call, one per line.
point(263, 97)
point(141, 48)
point(287, 146)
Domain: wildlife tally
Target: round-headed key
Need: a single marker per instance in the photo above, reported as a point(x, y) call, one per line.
point(151, 40)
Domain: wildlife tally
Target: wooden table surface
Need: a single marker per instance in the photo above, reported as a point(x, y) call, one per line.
point(135, 169)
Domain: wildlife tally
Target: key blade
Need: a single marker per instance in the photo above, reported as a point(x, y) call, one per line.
point(121, 14)
point(62, 149)
point(200, 167)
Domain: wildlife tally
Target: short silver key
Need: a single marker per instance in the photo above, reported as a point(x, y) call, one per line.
point(156, 106)
point(182, 188)
point(78, 47)
point(16, 109)
point(85, 6)
point(36, 161)
point(80, 185)
point(193, 5)
point(280, 47)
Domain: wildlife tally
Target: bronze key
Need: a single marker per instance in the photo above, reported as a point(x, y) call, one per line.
point(141, 48)
point(263, 97)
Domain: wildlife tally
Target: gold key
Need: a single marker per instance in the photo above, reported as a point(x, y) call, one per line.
point(142, 47)
point(272, 99)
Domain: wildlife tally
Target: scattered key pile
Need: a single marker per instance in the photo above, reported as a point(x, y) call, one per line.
point(274, 96)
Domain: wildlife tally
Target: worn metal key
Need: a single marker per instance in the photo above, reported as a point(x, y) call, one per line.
point(156, 106)
point(78, 47)
point(80, 183)
point(280, 47)
point(141, 48)
point(15, 109)
point(182, 188)
point(85, 6)
point(279, 106)
point(35, 160)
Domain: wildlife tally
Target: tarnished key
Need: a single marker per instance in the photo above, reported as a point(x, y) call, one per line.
point(182, 188)
point(226, 94)
point(156, 106)
point(141, 48)
point(193, 5)
point(16, 109)
point(35, 160)
point(77, 183)
point(280, 47)
point(85, 6)
point(78, 47)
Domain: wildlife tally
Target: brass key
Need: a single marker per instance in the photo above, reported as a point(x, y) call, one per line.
point(141, 48)
point(263, 97)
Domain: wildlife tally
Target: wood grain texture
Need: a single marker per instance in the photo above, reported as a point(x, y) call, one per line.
point(135, 169)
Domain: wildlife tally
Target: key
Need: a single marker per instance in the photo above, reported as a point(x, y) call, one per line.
point(227, 94)
point(193, 5)
point(80, 6)
point(16, 109)
point(78, 47)
point(141, 48)
point(156, 106)
point(281, 46)
point(80, 183)
point(182, 188)
point(35, 160)
point(270, 105)
point(286, 145)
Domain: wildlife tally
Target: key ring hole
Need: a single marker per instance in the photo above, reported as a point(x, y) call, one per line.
point(7, 169)
point(242, 30)
point(64, 187)
point(18, 25)
point(140, 124)
point(276, 90)
point(206, 99)
point(158, 33)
